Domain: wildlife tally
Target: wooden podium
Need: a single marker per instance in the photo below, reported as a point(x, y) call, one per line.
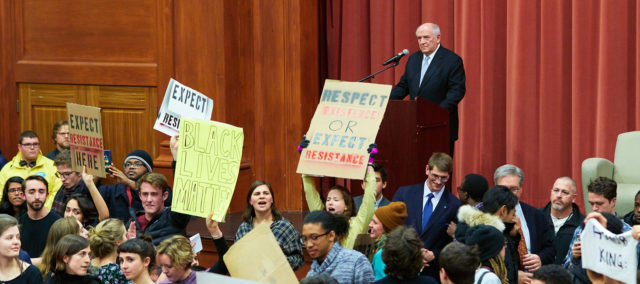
point(410, 132)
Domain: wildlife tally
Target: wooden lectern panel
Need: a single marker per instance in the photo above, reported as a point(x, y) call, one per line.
point(409, 133)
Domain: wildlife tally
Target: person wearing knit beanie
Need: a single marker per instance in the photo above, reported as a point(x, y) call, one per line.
point(137, 163)
point(387, 218)
point(143, 156)
point(490, 243)
point(384, 220)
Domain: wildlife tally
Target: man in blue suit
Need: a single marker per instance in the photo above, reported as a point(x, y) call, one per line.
point(430, 209)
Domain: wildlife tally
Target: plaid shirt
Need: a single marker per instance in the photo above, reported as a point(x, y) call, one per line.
point(60, 200)
point(287, 237)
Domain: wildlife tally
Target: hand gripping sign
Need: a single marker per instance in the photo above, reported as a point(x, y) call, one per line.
point(345, 123)
point(607, 253)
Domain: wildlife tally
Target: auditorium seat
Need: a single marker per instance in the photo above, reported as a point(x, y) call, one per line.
point(625, 170)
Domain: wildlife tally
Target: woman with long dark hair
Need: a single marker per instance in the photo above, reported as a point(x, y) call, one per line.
point(13, 202)
point(79, 206)
point(261, 208)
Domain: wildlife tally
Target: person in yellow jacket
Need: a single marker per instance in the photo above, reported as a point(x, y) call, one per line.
point(339, 200)
point(30, 161)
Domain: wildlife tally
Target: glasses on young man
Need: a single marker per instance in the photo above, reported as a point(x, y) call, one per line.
point(312, 237)
point(441, 178)
point(133, 164)
point(30, 145)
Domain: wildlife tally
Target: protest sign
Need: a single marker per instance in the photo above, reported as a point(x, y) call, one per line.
point(85, 139)
point(258, 257)
point(181, 101)
point(345, 123)
point(207, 167)
point(609, 254)
point(207, 277)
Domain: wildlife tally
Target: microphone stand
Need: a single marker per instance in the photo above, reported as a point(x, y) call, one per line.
point(395, 63)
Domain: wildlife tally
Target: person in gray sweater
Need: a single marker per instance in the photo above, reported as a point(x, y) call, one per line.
point(321, 234)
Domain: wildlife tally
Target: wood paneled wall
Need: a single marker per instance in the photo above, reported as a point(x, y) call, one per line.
point(258, 60)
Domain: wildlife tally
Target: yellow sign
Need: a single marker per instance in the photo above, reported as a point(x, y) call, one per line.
point(85, 136)
point(207, 167)
point(346, 122)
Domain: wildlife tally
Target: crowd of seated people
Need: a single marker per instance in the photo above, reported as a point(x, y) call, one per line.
point(58, 225)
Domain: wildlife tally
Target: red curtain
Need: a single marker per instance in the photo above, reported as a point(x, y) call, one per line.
point(549, 83)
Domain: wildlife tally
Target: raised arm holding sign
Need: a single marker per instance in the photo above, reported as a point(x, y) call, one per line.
point(345, 123)
point(613, 255)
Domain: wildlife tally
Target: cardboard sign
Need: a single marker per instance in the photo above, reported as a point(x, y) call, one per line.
point(206, 278)
point(609, 254)
point(345, 123)
point(207, 167)
point(181, 101)
point(85, 139)
point(258, 257)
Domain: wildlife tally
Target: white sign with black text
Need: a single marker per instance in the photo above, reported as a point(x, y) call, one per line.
point(181, 101)
point(607, 253)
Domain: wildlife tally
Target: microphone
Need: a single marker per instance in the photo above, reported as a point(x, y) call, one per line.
point(396, 58)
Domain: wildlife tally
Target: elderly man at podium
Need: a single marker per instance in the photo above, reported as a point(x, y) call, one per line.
point(435, 74)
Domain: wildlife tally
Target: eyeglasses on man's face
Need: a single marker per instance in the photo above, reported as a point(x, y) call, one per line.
point(30, 145)
point(133, 164)
point(312, 237)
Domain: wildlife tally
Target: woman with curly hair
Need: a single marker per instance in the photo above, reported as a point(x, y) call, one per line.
point(403, 257)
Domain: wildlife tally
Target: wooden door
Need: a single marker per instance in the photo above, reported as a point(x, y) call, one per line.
point(127, 113)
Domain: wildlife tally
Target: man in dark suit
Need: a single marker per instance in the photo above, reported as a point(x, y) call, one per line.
point(381, 184)
point(536, 230)
point(430, 209)
point(435, 74)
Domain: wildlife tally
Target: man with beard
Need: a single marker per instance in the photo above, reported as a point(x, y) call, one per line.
point(30, 161)
point(124, 195)
point(60, 136)
point(35, 224)
point(563, 215)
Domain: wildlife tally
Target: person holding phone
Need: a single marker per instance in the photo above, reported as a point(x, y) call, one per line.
point(124, 195)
